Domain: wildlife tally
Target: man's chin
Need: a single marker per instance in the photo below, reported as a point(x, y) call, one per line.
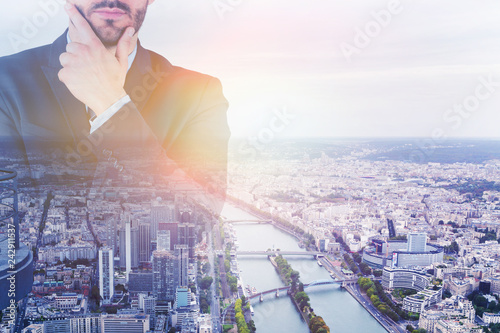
point(110, 39)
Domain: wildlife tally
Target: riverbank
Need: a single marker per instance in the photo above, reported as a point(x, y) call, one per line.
point(238, 205)
point(305, 316)
point(262, 215)
point(340, 311)
point(298, 296)
point(375, 314)
point(363, 303)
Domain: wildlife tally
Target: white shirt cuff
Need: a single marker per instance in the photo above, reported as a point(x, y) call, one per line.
point(110, 112)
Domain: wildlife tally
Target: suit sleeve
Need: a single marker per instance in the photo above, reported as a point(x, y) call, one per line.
point(195, 163)
point(201, 148)
point(13, 145)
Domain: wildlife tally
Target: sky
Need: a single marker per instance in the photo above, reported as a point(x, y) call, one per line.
point(321, 68)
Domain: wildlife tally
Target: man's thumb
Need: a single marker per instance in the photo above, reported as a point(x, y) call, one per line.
point(123, 47)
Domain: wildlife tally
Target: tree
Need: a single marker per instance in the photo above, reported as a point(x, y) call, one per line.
point(120, 287)
point(111, 310)
point(300, 296)
point(480, 300)
point(206, 282)
point(94, 294)
point(251, 326)
point(317, 325)
point(294, 276)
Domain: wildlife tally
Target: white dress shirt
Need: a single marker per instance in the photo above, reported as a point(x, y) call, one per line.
point(98, 121)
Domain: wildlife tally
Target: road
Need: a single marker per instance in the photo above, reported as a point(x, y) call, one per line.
point(388, 323)
point(20, 315)
point(222, 269)
point(215, 306)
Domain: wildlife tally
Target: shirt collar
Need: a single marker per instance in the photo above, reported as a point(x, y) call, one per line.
point(131, 56)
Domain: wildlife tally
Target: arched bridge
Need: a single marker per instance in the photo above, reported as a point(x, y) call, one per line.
point(243, 221)
point(284, 290)
point(284, 253)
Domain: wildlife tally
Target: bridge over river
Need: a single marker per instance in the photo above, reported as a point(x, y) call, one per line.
point(284, 253)
point(246, 221)
point(284, 290)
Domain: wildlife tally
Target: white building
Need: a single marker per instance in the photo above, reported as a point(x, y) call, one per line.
point(106, 274)
point(125, 323)
point(417, 242)
point(163, 240)
point(489, 318)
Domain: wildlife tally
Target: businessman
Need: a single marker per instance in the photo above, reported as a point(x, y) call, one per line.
point(96, 96)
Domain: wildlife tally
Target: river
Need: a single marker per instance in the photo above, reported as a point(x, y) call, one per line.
point(341, 312)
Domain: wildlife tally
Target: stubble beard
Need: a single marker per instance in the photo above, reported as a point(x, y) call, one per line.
point(109, 33)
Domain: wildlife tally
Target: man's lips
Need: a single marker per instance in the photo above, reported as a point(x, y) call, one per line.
point(110, 13)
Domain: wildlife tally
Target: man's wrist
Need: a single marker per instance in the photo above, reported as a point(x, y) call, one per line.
point(107, 102)
point(108, 113)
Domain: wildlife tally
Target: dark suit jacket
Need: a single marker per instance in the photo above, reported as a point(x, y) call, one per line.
point(175, 115)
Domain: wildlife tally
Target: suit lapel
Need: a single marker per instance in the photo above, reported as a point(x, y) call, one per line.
point(143, 77)
point(140, 83)
point(134, 82)
point(72, 109)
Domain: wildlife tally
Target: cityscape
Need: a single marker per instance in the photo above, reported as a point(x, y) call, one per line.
point(316, 235)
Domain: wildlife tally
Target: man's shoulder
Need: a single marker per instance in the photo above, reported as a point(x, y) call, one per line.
point(25, 60)
point(177, 73)
point(24, 69)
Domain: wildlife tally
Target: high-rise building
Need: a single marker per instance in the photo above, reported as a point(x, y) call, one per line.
point(112, 234)
point(128, 249)
point(417, 242)
point(56, 326)
point(187, 236)
point(485, 287)
point(185, 216)
point(140, 282)
point(182, 297)
point(161, 213)
point(123, 246)
point(172, 228)
point(33, 328)
point(144, 242)
point(182, 258)
point(147, 304)
point(86, 324)
point(106, 274)
point(125, 323)
point(129, 246)
point(165, 275)
point(163, 240)
point(134, 247)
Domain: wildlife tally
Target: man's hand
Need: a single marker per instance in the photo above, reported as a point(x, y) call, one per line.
point(92, 73)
